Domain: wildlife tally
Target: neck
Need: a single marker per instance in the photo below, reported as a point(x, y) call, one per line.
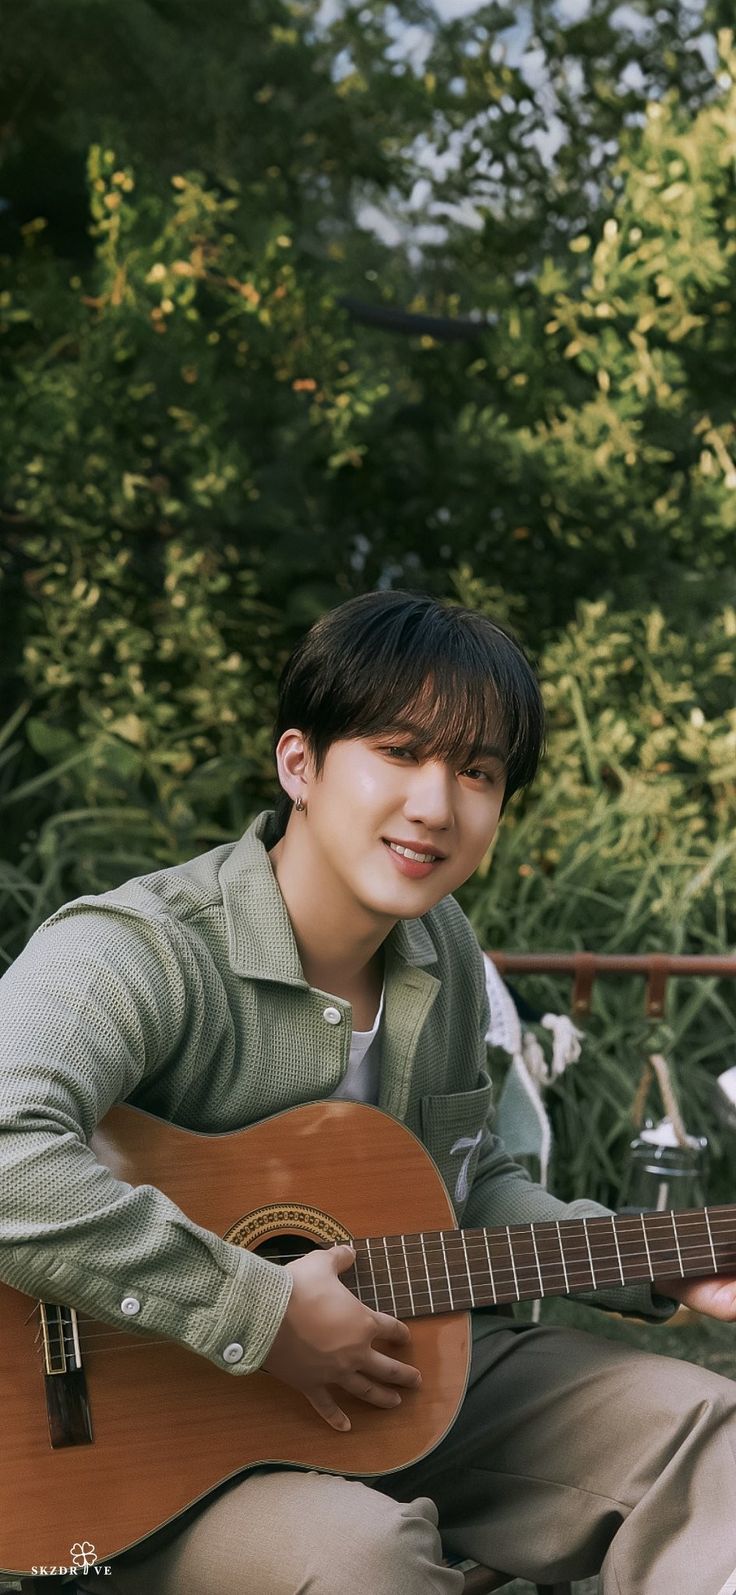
point(340, 945)
point(444, 1271)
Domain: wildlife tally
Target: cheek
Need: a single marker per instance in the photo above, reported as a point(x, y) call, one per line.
point(484, 816)
point(368, 785)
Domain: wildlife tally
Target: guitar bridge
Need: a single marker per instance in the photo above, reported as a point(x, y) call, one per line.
point(67, 1401)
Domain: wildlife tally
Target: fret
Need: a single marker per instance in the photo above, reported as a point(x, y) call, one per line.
point(354, 1273)
point(590, 1254)
point(562, 1255)
point(490, 1268)
point(579, 1273)
point(723, 1238)
point(372, 1273)
point(426, 1270)
point(390, 1280)
point(447, 1271)
point(677, 1244)
point(457, 1269)
point(618, 1249)
point(655, 1228)
point(513, 1263)
point(710, 1238)
point(547, 1254)
point(573, 1235)
point(646, 1243)
point(440, 1254)
point(536, 1259)
point(408, 1275)
point(467, 1265)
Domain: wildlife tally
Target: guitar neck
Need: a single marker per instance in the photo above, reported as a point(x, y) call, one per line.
point(412, 1276)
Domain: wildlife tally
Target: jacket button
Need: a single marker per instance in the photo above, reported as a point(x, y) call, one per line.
point(130, 1305)
point(333, 1016)
point(233, 1352)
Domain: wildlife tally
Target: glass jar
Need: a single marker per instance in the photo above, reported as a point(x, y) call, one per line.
point(661, 1173)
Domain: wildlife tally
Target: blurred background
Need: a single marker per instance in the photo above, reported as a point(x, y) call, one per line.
point(301, 300)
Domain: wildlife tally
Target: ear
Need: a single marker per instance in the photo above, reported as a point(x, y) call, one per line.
point(295, 764)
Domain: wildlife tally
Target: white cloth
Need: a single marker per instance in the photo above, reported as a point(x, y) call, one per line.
point(362, 1075)
point(522, 1120)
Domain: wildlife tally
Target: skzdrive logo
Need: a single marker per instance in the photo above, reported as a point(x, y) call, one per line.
point(84, 1560)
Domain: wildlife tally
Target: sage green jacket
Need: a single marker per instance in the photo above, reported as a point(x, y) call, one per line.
point(182, 992)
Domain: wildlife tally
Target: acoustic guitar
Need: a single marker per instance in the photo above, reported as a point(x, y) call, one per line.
point(109, 1432)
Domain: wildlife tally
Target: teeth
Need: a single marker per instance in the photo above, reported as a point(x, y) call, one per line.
point(421, 858)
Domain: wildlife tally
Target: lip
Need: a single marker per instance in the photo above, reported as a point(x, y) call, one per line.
point(416, 847)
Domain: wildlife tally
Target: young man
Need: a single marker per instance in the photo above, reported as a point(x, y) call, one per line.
point(324, 955)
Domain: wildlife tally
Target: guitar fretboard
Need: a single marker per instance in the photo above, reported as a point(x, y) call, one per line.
point(443, 1271)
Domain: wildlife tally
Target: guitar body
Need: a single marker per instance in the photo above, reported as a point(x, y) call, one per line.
point(167, 1425)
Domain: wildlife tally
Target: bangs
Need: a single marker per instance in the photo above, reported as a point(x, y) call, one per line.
point(452, 681)
point(451, 714)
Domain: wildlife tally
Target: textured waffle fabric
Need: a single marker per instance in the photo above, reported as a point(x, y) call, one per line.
point(182, 992)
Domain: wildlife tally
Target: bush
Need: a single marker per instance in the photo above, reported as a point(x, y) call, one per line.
point(627, 844)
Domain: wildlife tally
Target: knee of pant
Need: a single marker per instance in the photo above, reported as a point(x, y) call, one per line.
point(699, 1388)
point(397, 1547)
point(695, 1399)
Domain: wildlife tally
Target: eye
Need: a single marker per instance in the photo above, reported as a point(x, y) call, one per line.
point(392, 748)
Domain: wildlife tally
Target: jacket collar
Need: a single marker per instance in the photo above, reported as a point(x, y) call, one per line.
point(261, 941)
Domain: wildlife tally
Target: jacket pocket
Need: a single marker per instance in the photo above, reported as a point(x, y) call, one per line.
point(452, 1130)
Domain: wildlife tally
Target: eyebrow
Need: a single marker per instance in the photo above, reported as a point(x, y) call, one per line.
point(487, 753)
point(409, 728)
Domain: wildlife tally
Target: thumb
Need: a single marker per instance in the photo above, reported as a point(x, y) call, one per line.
point(341, 1258)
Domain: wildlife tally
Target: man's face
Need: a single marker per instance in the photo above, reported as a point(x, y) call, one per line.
point(381, 789)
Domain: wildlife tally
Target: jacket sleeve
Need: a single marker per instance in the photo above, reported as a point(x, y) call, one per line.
point(503, 1192)
point(95, 1003)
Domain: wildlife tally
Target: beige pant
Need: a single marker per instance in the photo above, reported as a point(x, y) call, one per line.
point(571, 1454)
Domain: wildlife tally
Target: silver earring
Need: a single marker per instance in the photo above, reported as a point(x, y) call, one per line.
point(299, 806)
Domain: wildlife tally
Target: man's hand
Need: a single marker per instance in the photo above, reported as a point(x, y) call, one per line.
point(716, 1297)
point(325, 1338)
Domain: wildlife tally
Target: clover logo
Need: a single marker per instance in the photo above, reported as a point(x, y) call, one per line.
point(83, 1555)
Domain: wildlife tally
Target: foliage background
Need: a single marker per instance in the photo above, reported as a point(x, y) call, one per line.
point(305, 301)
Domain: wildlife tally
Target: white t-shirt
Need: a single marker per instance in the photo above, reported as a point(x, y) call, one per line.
point(362, 1077)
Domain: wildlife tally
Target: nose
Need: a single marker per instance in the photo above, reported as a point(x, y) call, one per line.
point(429, 795)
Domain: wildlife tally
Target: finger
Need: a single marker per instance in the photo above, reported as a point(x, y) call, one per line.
point(341, 1257)
point(389, 1328)
point(377, 1395)
point(714, 1297)
point(389, 1372)
point(328, 1409)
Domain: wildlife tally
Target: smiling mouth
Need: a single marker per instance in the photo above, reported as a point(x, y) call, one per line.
point(408, 852)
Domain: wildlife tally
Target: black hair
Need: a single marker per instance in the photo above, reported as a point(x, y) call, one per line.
point(385, 657)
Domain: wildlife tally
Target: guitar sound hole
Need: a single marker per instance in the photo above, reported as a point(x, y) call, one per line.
point(285, 1248)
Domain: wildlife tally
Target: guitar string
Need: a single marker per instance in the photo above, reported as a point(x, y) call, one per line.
point(500, 1280)
point(574, 1227)
point(115, 1339)
point(666, 1261)
point(547, 1229)
point(394, 1245)
point(692, 1256)
point(119, 1341)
